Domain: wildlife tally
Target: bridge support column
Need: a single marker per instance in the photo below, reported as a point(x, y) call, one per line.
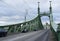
point(15, 27)
point(39, 18)
point(19, 28)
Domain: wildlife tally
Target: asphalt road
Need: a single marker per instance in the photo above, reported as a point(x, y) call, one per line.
point(42, 35)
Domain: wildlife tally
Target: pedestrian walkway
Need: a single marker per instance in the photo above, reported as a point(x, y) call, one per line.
point(51, 36)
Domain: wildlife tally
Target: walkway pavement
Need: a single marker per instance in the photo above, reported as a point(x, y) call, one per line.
point(51, 36)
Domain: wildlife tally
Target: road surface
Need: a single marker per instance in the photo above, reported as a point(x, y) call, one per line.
point(42, 35)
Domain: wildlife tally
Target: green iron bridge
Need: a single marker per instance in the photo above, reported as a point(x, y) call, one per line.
point(34, 24)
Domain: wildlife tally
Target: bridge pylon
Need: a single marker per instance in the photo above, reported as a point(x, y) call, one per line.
point(51, 16)
point(39, 18)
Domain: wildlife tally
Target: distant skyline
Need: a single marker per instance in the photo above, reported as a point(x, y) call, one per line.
point(13, 11)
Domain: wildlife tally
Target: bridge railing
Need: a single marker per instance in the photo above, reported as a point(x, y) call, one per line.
point(55, 34)
point(29, 25)
point(54, 31)
point(58, 32)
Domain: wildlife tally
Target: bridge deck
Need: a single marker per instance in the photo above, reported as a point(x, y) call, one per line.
point(42, 35)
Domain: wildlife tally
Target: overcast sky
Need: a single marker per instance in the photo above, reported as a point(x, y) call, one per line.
point(13, 11)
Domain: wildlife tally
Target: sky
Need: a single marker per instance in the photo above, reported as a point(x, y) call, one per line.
point(14, 11)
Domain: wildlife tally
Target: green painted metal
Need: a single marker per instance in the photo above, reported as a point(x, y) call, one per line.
point(30, 25)
point(39, 18)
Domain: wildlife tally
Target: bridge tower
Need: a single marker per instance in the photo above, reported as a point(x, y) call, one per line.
point(51, 16)
point(39, 18)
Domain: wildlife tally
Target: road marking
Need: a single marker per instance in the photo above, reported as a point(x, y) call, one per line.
point(16, 38)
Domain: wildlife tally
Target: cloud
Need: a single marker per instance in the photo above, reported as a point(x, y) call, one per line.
point(13, 11)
